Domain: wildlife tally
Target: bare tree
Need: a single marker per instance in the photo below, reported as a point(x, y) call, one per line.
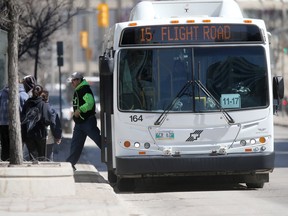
point(16, 154)
point(39, 20)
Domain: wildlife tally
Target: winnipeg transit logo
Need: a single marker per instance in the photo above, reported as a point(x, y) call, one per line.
point(194, 136)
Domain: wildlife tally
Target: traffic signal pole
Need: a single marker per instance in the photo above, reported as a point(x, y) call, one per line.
point(102, 20)
point(60, 63)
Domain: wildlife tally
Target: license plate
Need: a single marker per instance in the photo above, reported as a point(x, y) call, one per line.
point(164, 135)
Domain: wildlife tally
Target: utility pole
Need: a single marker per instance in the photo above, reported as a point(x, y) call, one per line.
point(89, 40)
point(60, 63)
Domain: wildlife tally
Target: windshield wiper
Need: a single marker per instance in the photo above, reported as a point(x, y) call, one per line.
point(163, 115)
point(228, 118)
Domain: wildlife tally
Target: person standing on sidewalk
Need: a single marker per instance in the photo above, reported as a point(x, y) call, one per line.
point(54, 131)
point(84, 117)
point(24, 87)
point(36, 115)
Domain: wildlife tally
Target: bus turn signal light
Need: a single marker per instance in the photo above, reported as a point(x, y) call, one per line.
point(127, 144)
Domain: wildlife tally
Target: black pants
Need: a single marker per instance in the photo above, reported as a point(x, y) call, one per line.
point(5, 142)
point(80, 133)
point(36, 148)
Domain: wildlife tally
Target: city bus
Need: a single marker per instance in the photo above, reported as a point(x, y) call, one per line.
point(187, 90)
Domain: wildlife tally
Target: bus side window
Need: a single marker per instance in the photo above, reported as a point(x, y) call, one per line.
point(130, 97)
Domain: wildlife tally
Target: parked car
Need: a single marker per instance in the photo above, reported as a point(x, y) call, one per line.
point(67, 112)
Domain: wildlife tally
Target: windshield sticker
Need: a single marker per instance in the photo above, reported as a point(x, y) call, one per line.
point(165, 135)
point(230, 101)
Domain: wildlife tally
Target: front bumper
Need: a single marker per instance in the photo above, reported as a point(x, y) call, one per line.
point(194, 164)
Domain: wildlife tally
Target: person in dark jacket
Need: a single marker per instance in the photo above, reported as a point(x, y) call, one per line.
point(36, 115)
point(24, 87)
point(84, 118)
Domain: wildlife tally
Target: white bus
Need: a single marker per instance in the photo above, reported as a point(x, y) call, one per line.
point(186, 89)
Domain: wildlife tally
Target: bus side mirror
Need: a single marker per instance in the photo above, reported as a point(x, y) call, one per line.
point(278, 87)
point(106, 65)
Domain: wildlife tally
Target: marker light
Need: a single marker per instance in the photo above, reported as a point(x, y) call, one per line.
point(190, 21)
point(132, 24)
point(248, 150)
point(206, 20)
point(247, 21)
point(127, 144)
point(262, 140)
point(174, 21)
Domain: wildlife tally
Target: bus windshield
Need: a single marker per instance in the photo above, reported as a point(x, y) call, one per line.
point(150, 79)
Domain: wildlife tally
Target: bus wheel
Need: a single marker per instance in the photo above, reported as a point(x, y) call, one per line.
point(126, 184)
point(112, 178)
point(255, 185)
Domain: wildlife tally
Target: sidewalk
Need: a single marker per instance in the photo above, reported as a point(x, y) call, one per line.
point(94, 196)
point(281, 119)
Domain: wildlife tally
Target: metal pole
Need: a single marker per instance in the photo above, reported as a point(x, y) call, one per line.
point(60, 94)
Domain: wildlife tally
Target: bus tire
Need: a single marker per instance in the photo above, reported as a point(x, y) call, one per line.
point(112, 178)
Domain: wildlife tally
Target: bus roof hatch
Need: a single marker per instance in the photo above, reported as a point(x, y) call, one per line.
point(149, 10)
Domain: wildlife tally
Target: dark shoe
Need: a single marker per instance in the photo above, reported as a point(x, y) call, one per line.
point(74, 168)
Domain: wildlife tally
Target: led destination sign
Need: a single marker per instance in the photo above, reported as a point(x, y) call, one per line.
point(191, 34)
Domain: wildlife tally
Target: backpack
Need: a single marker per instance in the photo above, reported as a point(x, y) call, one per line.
point(31, 118)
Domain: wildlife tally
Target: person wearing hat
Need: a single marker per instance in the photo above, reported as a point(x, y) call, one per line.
point(84, 117)
point(29, 82)
point(24, 87)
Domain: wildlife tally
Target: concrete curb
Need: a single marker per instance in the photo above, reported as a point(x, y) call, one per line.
point(41, 179)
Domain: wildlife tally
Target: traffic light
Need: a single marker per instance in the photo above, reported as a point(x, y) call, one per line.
point(103, 15)
point(84, 39)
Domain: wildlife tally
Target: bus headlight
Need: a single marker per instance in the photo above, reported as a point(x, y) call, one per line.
point(243, 142)
point(136, 144)
point(252, 141)
point(146, 145)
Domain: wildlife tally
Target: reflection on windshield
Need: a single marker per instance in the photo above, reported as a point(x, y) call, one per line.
point(149, 79)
